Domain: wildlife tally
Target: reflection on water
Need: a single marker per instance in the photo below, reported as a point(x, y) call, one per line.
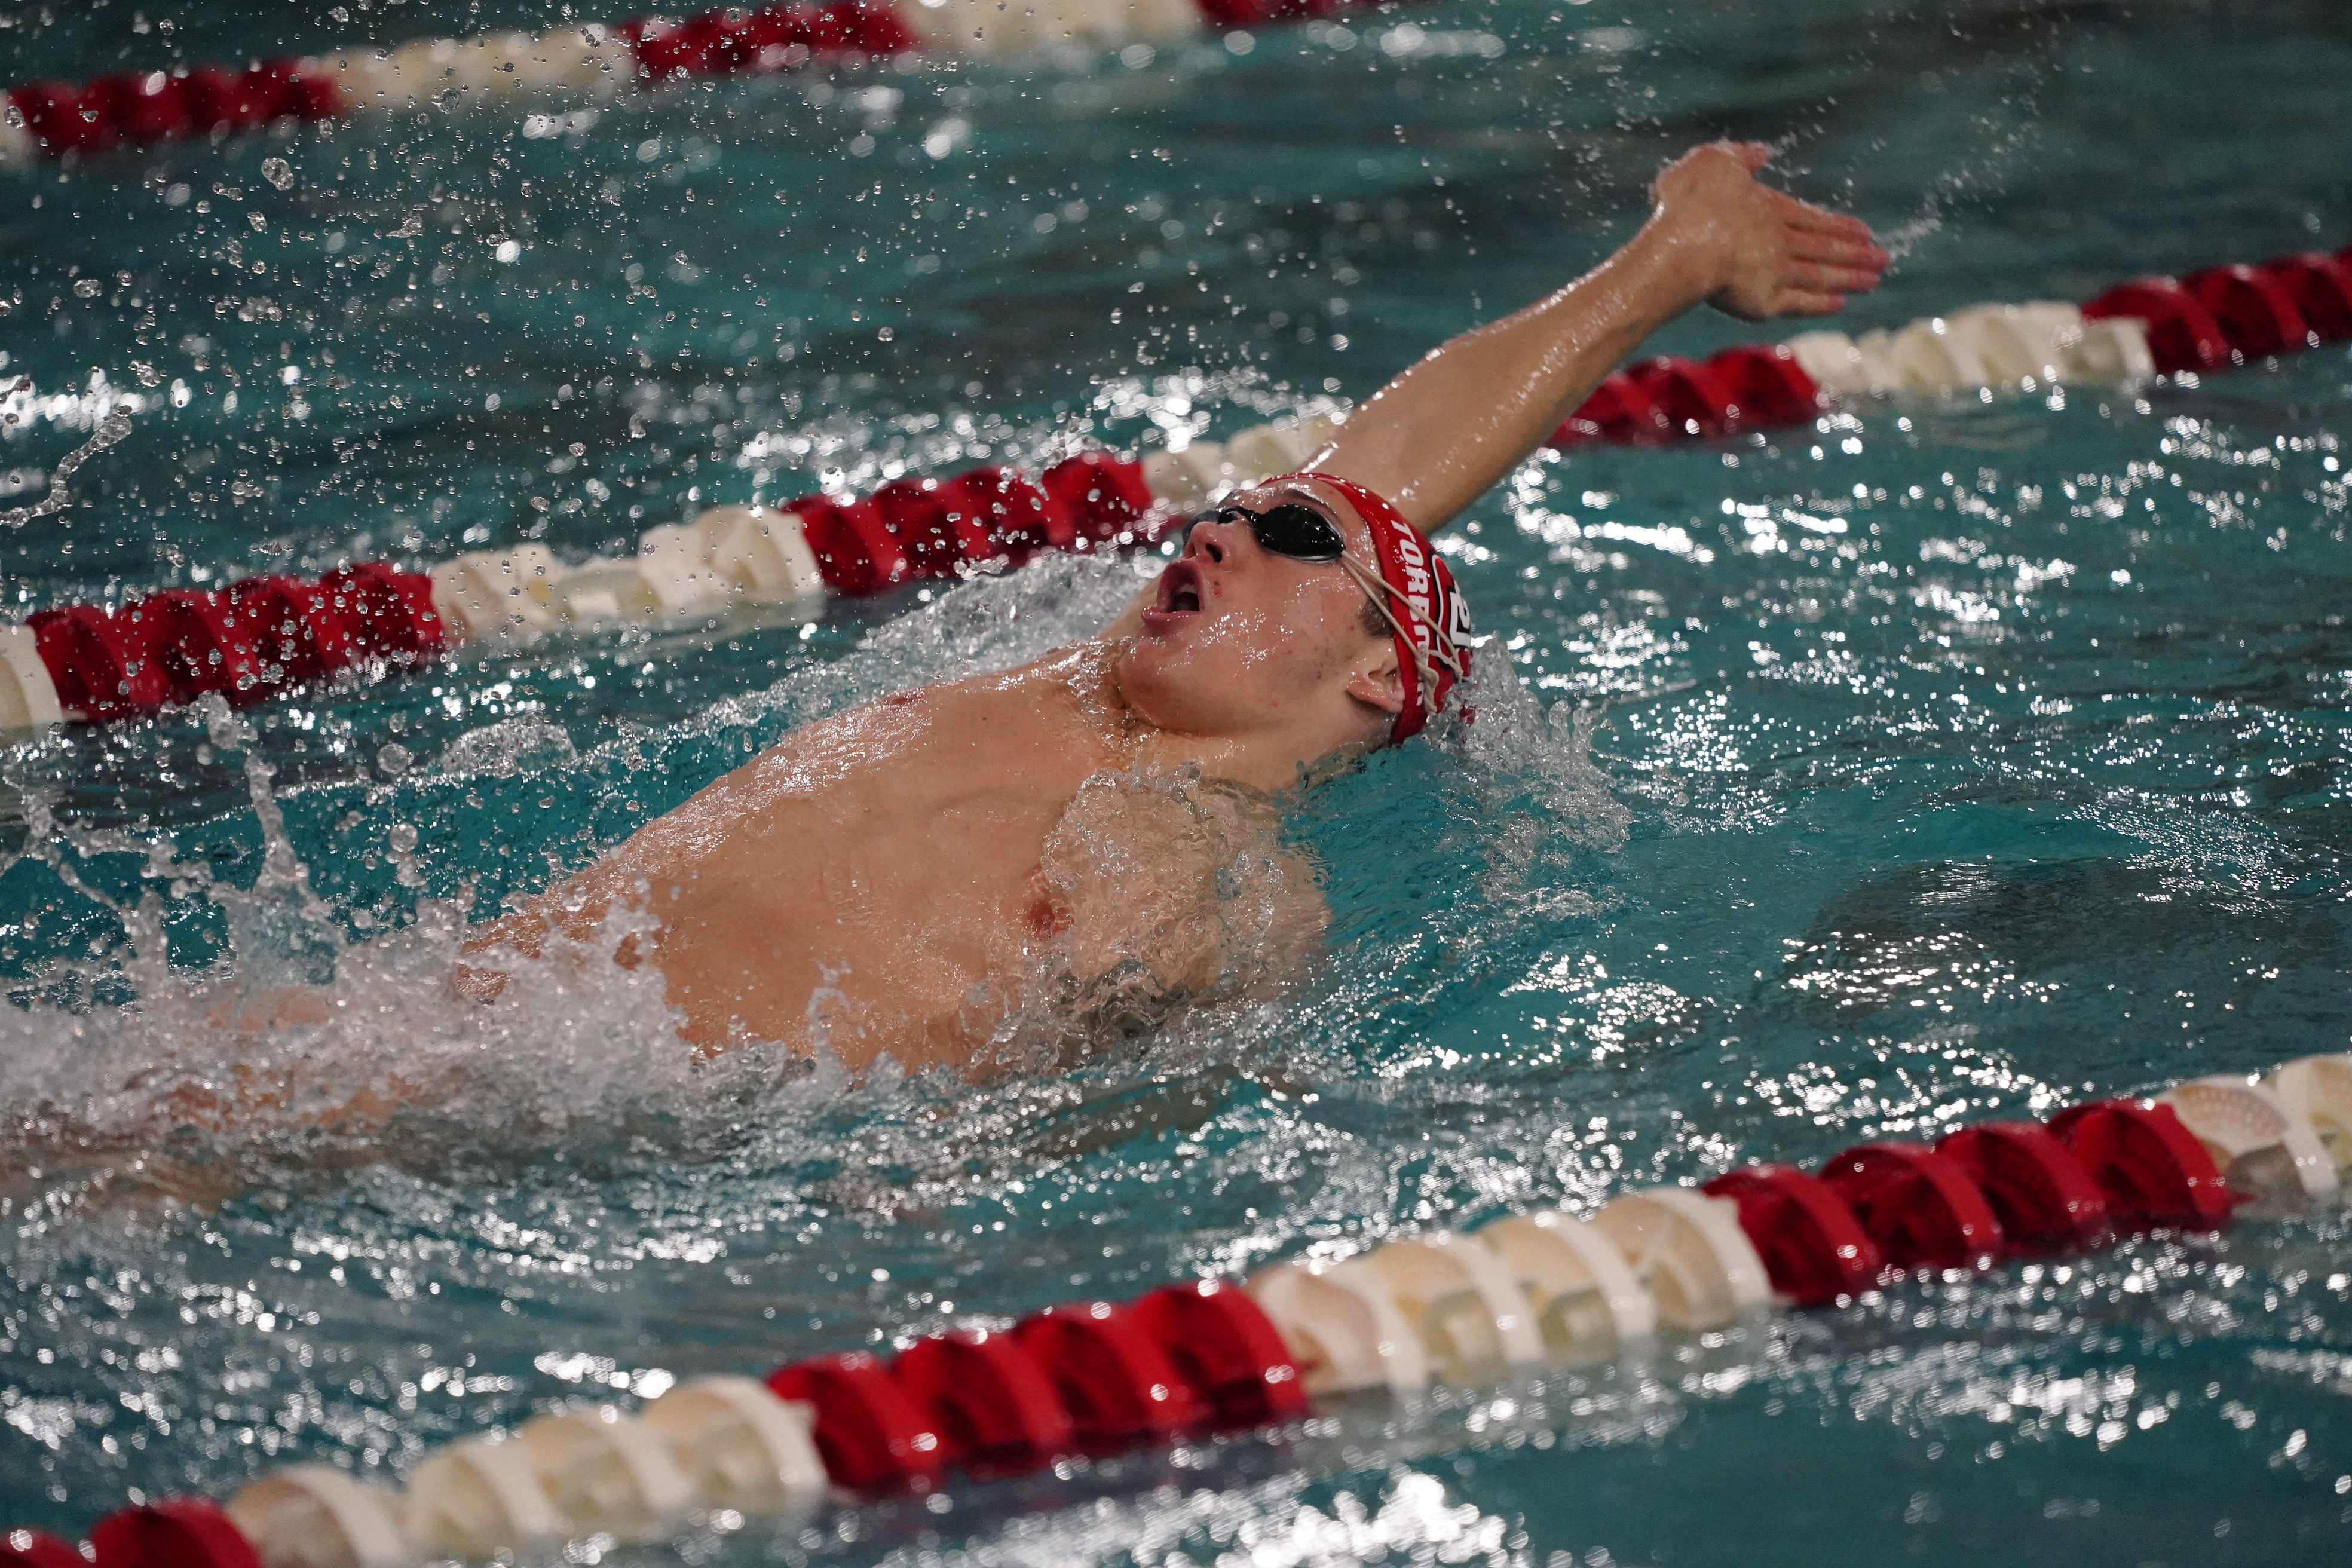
point(1932, 764)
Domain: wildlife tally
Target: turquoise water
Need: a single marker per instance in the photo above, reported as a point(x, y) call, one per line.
point(1942, 761)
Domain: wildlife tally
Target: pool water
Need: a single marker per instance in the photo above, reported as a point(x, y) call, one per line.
point(1938, 763)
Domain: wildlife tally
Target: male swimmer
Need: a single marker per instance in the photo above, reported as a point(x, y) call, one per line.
point(956, 872)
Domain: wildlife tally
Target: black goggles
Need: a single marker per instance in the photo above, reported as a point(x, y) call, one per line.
point(1300, 533)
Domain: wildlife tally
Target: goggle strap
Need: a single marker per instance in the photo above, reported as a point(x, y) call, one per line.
point(1379, 590)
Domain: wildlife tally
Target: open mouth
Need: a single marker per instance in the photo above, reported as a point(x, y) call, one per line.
point(1180, 589)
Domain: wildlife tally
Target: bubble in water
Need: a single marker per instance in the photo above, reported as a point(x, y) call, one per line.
point(279, 173)
point(394, 760)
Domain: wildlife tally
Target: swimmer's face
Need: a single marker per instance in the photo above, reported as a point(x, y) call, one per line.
point(1239, 641)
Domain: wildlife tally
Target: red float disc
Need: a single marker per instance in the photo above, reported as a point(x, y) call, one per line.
point(1229, 14)
point(916, 513)
point(872, 1434)
point(2256, 313)
point(274, 91)
point(1104, 497)
point(212, 96)
point(2321, 287)
point(312, 95)
point(854, 553)
point(100, 662)
point(872, 29)
point(1119, 1386)
point(1001, 515)
point(178, 1533)
point(1697, 405)
point(2181, 333)
point(2043, 1197)
point(2152, 1169)
point(156, 109)
point(54, 112)
point(668, 53)
point(390, 612)
point(833, 28)
point(1766, 384)
point(294, 629)
point(991, 1401)
point(777, 39)
point(1919, 1207)
point(1814, 1248)
point(38, 1549)
point(114, 98)
point(1618, 410)
point(200, 644)
point(1228, 1353)
point(221, 100)
point(725, 43)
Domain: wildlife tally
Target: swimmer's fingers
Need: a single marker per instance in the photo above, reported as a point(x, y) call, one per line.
point(1838, 247)
point(1811, 219)
point(1784, 298)
point(1826, 253)
point(1818, 278)
point(1860, 265)
point(1806, 302)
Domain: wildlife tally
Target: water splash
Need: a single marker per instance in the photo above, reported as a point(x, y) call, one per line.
point(301, 1048)
point(112, 427)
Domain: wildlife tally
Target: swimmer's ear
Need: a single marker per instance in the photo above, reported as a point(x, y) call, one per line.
point(1377, 681)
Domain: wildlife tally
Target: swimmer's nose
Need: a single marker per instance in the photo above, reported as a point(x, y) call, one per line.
point(1208, 538)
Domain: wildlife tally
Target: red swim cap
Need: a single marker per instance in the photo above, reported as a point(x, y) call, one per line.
point(1432, 631)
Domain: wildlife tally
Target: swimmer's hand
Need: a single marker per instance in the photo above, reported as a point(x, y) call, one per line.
point(1757, 251)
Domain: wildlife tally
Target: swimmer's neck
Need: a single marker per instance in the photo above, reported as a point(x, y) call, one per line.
point(1269, 762)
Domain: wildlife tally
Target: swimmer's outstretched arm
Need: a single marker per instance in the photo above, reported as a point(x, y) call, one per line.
point(1435, 438)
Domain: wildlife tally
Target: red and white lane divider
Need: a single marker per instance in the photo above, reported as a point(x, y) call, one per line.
point(2205, 321)
point(264, 636)
point(135, 109)
point(1520, 1297)
point(261, 637)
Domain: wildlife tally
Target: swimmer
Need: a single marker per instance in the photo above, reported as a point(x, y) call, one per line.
point(944, 874)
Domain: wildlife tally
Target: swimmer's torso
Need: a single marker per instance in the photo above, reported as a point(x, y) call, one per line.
point(908, 875)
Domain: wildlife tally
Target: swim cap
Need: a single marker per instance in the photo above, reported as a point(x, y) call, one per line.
point(1433, 633)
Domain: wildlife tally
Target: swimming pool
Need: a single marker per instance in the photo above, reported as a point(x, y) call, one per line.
point(2013, 777)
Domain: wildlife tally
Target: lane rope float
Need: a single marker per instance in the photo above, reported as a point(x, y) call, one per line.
point(264, 636)
point(136, 109)
point(1513, 1298)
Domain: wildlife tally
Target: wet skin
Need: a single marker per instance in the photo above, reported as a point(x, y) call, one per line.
point(907, 875)
point(961, 874)
point(904, 876)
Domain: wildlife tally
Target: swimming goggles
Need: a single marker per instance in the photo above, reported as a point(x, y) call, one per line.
point(1302, 533)
point(1299, 533)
